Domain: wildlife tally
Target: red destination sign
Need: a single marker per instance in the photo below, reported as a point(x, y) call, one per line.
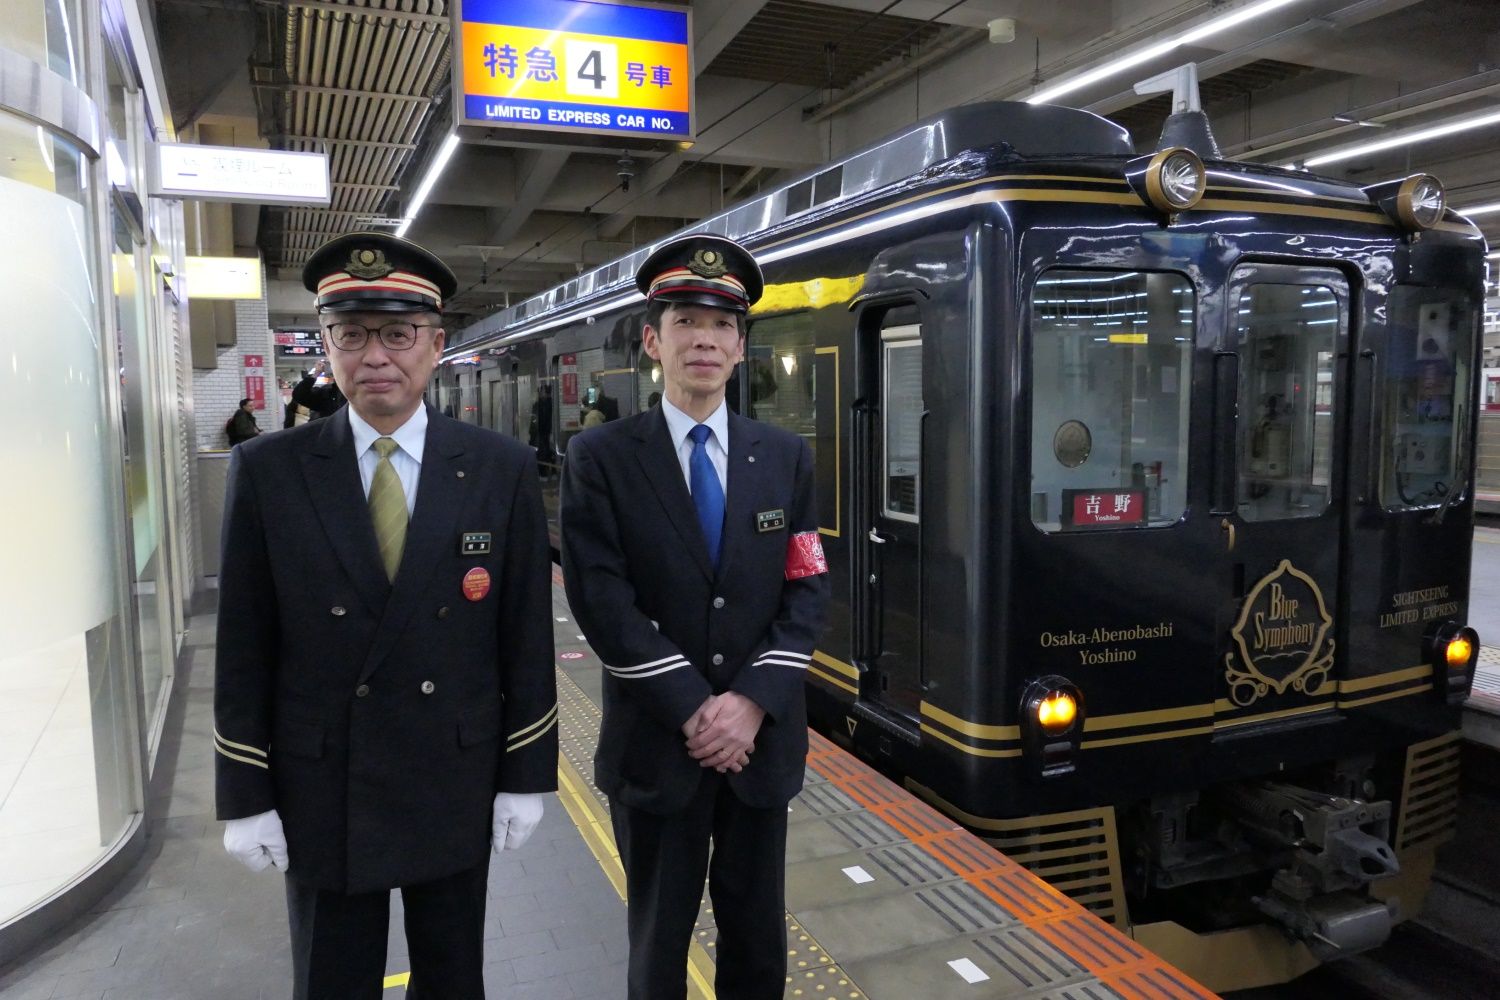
point(1103, 508)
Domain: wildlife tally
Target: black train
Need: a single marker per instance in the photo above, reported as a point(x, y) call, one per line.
point(1146, 489)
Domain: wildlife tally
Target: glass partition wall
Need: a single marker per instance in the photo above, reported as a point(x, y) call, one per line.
point(88, 631)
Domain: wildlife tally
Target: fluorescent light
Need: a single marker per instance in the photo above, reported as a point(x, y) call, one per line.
point(115, 166)
point(1211, 27)
point(1404, 139)
point(1492, 256)
point(1474, 210)
point(444, 154)
point(223, 277)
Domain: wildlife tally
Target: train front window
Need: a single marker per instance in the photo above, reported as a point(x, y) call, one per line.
point(1287, 337)
point(1111, 357)
point(1427, 396)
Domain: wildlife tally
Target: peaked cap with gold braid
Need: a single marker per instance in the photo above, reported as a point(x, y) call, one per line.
point(377, 272)
point(702, 270)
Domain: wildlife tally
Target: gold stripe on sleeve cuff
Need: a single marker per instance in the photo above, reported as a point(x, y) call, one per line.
point(549, 716)
point(242, 760)
point(237, 746)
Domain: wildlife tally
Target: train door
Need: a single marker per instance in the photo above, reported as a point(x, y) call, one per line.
point(1279, 488)
point(499, 400)
point(890, 419)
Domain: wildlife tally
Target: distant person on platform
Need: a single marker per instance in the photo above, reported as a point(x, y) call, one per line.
point(385, 710)
point(318, 393)
point(541, 429)
point(242, 425)
point(692, 562)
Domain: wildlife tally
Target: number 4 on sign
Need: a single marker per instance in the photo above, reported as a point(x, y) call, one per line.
point(593, 68)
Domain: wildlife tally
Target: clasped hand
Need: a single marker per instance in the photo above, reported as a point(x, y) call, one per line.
point(721, 734)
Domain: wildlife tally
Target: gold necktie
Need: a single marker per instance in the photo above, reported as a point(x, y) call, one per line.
point(388, 508)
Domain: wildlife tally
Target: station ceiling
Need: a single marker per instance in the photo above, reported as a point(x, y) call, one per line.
point(783, 86)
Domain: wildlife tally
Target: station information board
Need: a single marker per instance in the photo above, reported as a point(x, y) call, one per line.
point(592, 71)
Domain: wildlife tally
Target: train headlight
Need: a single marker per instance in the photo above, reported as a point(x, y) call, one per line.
point(1175, 180)
point(1454, 651)
point(1415, 203)
point(1051, 725)
point(1420, 201)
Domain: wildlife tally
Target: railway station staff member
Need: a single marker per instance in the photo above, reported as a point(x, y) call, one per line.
point(691, 558)
point(385, 710)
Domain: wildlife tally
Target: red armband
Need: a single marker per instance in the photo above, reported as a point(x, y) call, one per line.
point(804, 555)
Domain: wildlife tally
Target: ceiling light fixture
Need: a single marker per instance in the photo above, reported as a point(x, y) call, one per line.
point(1203, 30)
point(444, 154)
point(1351, 120)
point(1402, 139)
point(1474, 210)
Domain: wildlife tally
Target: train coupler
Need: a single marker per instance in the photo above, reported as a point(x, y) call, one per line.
point(1332, 848)
point(1333, 925)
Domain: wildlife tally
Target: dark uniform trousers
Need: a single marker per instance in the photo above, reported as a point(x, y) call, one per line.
point(339, 939)
point(672, 629)
point(665, 858)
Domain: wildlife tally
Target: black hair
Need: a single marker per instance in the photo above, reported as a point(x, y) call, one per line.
point(244, 401)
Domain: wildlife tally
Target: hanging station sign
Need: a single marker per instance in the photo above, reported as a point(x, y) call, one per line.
point(616, 74)
point(227, 173)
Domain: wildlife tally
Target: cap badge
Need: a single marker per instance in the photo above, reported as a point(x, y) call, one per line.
point(708, 264)
point(368, 264)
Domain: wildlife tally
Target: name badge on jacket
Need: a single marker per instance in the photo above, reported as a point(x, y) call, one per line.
point(804, 555)
point(770, 520)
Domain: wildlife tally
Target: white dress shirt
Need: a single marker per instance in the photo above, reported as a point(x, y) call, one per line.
point(717, 445)
point(406, 459)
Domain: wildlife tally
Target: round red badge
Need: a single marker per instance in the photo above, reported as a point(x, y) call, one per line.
point(476, 583)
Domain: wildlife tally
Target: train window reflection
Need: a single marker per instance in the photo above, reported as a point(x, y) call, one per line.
point(1427, 394)
point(1111, 356)
point(1287, 337)
point(901, 409)
point(782, 369)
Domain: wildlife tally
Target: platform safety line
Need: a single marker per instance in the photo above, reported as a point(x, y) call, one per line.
point(592, 821)
point(399, 979)
point(1067, 926)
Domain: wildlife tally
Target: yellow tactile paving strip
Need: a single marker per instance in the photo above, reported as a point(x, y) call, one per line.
point(579, 721)
point(1114, 962)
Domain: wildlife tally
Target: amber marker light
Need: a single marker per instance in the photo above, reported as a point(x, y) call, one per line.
point(1456, 648)
point(1052, 710)
point(1459, 652)
point(1056, 712)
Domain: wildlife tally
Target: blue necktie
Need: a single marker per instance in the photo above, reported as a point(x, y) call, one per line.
point(708, 495)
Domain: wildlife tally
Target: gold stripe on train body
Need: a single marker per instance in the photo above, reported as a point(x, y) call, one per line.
point(977, 732)
point(1371, 215)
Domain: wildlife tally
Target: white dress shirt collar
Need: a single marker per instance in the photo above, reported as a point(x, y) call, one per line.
point(410, 437)
point(679, 424)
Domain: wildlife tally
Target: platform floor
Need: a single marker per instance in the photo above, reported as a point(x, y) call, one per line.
point(887, 899)
point(1482, 711)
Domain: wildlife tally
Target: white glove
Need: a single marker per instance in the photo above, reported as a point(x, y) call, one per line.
point(257, 841)
point(515, 817)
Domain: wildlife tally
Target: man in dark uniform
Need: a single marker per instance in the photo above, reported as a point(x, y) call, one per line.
point(691, 558)
point(385, 707)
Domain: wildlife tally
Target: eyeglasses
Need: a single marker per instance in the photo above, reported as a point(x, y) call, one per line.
point(393, 336)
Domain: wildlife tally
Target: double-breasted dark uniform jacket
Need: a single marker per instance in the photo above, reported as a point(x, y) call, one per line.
point(669, 628)
point(380, 720)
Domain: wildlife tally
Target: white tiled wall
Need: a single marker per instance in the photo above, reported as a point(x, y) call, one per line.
point(217, 391)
